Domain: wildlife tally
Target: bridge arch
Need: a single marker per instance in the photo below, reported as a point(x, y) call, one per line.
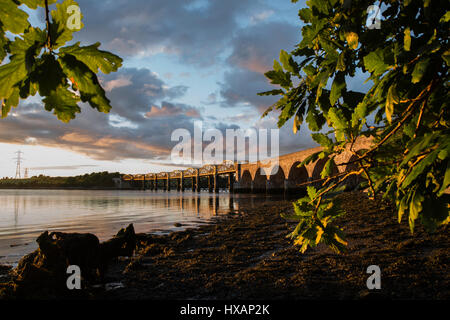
point(354, 180)
point(318, 168)
point(246, 180)
point(297, 175)
point(277, 178)
point(260, 181)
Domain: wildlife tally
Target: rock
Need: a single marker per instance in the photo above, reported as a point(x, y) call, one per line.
point(168, 252)
point(122, 244)
point(153, 250)
point(45, 269)
point(67, 249)
point(4, 268)
point(182, 240)
point(135, 264)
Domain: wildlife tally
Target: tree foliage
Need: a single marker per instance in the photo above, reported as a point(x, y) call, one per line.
point(405, 112)
point(36, 61)
point(96, 180)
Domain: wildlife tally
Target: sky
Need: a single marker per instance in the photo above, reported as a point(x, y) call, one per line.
point(184, 61)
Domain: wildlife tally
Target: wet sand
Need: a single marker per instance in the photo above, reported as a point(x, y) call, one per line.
point(245, 255)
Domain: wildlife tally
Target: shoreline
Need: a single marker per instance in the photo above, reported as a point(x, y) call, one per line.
point(245, 255)
point(63, 188)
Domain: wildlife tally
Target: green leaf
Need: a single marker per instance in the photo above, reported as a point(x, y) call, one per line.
point(48, 75)
point(391, 99)
point(375, 63)
point(407, 39)
point(419, 145)
point(446, 57)
point(419, 70)
point(419, 168)
point(338, 86)
point(11, 102)
point(446, 181)
point(277, 66)
point(86, 82)
point(22, 60)
point(323, 140)
point(340, 66)
point(10, 75)
point(337, 118)
point(288, 63)
point(415, 207)
point(59, 30)
point(310, 159)
point(402, 208)
point(33, 4)
point(298, 118)
point(328, 168)
point(3, 44)
point(445, 17)
point(279, 77)
point(94, 58)
point(12, 18)
point(305, 14)
point(63, 103)
point(312, 192)
point(271, 93)
point(435, 212)
point(352, 40)
point(314, 119)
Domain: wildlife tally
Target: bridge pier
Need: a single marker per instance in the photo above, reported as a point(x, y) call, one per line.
point(230, 183)
point(181, 183)
point(197, 180)
point(167, 184)
point(216, 182)
point(210, 184)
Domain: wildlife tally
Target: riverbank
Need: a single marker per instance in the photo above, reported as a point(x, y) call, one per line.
point(61, 188)
point(245, 255)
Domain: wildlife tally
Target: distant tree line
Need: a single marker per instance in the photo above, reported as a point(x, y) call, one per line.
point(93, 180)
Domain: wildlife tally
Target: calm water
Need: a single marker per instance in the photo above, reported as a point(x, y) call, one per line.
point(25, 214)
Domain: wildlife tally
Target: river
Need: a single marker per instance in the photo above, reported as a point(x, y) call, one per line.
point(25, 214)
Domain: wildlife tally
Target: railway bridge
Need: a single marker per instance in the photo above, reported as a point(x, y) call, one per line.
point(273, 175)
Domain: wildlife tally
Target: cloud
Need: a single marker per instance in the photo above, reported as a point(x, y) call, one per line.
point(261, 16)
point(253, 51)
point(128, 131)
point(75, 167)
point(117, 83)
point(147, 108)
point(197, 34)
point(167, 109)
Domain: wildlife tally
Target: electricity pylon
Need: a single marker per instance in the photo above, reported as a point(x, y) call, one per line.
point(18, 163)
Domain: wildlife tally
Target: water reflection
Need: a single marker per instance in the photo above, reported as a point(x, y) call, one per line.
point(24, 214)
